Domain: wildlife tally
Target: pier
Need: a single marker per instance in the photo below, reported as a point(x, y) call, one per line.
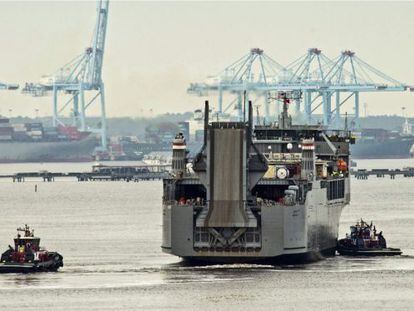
point(99, 173)
point(382, 172)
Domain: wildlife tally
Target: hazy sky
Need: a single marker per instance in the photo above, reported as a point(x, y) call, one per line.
point(155, 49)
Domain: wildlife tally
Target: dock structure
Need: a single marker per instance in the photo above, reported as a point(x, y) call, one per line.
point(99, 173)
point(381, 173)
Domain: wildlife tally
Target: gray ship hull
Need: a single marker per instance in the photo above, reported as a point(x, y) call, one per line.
point(390, 148)
point(75, 151)
point(289, 234)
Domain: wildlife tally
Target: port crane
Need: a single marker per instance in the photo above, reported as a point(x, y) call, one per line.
point(254, 74)
point(317, 77)
point(80, 75)
point(343, 78)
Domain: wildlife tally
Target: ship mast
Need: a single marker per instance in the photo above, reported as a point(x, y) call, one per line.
point(285, 120)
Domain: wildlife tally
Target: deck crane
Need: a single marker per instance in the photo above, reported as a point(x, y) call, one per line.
point(81, 74)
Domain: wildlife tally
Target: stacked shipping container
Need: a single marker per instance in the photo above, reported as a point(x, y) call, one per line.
point(35, 132)
point(6, 130)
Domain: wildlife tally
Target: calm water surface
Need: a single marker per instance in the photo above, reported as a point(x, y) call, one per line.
point(110, 234)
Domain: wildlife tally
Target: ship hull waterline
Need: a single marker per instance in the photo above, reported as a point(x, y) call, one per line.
point(286, 259)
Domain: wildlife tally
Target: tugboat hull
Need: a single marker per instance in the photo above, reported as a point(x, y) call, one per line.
point(51, 265)
point(369, 251)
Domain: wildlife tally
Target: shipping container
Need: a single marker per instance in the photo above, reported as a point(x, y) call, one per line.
point(21, 136)
point(18, 126)
point(35, 133)
point(6, 130)
point(5, 137)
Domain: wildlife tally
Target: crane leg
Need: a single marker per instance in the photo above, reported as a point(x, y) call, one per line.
point(55, 106)
point(356, 107)
point(75, 109)
point(82, 111)
point(103, 118)
point(338, 110)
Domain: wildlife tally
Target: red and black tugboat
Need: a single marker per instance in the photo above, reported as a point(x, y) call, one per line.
point(365, 241)
point(27, 255)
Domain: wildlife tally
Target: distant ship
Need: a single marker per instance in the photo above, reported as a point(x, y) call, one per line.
point(270, 193)
point(31, 142)
point(71, 151)
point(381, 143)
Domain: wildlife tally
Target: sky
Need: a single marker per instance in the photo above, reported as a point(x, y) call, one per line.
point(154, 50)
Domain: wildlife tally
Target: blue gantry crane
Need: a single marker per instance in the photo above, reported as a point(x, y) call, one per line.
point(308, 74)
point(351, 75)
point(314, 75)
point(252, 75)
point(82, 74)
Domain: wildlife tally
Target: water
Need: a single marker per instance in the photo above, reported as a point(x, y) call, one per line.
point(110, 234)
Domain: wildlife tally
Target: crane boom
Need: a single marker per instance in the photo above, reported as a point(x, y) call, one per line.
point(98, 45)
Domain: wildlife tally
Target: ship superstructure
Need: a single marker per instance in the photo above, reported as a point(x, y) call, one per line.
point(264, 193)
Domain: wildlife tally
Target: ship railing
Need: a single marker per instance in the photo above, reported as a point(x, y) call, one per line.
point(187, 203)
point(265, 202)
point(333, 177)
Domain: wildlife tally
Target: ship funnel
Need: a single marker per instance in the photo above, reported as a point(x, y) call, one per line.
point(179, 158)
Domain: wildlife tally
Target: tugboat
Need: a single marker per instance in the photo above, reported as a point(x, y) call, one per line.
point(27, 256)
point(365, 241)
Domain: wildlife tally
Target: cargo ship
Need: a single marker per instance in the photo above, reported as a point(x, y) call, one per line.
point(382, 144)
point(32, 142)
point(269, 193)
